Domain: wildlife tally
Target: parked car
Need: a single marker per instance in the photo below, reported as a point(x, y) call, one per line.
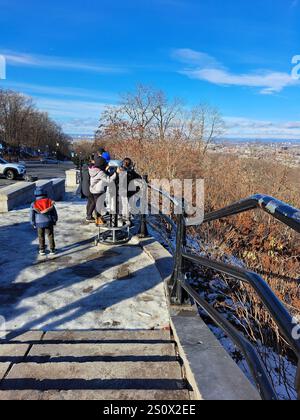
point(50, 161)
point(12, 171)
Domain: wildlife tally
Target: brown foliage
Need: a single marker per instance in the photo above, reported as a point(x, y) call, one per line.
point(263, 244)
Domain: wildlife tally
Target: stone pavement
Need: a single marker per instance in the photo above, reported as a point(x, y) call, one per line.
point(83, 286)
point(88, 323)
point(98, 365)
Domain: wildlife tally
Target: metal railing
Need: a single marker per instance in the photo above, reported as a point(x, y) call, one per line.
point(180, 288)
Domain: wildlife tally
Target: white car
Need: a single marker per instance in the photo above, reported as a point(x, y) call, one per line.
point(11, 171)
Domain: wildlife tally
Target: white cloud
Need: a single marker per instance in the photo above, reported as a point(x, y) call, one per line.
point(268, 82)
point(75, 116)
point(64, 91)
point(262, 129)
point(60, 63)
point(70, 108)
point(82, 126)
point(206, 68)
point(188, 56)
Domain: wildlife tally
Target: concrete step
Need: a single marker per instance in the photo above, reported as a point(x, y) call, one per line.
point(103, 395)
point(53, 373)
point(107, 336)
point(80, 353)
point(97, 365)
point(3, 369)
point(95, 377)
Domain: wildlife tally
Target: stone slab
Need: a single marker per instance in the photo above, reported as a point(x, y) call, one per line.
point(59, 189)
point(3, 369)
point(13, 353)
point(72, 178)
point(97, 352)
point(16, 195)
point(117, 336)
point(25, 337)
point(94, 376)
point(103, 395)
point(209, 368)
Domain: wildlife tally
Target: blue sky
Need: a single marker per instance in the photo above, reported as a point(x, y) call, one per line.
point(76, 57)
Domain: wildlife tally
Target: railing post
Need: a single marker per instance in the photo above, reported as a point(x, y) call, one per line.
point(178, 295)
point(143, 233)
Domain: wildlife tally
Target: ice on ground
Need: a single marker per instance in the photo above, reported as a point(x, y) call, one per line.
point(83, 287)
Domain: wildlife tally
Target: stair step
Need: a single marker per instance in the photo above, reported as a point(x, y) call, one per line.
point(101, 352)
point(94, 376)
point(13, 353)
point(108, 335)
point(3, 369)
point(23, 337)
point(103, 395)
point(91, 365)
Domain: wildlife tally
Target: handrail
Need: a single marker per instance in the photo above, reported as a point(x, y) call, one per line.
point(173, 200)
point(279, 313)
point(260, 376)
point(288, 215)
point(281, 211)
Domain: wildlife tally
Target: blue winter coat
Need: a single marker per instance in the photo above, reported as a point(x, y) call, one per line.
point(43, 213)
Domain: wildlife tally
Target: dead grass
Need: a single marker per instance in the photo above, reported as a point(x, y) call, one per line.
point(264, 245)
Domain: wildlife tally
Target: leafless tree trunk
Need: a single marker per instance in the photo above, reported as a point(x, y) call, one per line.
point(147, 114)
point(22, 125)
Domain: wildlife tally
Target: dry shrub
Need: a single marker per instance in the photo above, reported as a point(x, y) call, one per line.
point(263, 244)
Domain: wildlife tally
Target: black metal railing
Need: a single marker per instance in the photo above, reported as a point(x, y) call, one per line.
point(180, 288)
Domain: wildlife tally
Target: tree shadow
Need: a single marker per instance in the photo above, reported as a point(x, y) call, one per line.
point(98, 300)
point(17, 251)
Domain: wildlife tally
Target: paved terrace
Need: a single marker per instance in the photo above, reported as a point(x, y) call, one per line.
point(94, 317)
point(93, 322)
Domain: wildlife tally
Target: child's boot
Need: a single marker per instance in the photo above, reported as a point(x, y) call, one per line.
point(100, 221)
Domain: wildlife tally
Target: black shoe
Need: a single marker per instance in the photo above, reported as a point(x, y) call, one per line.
point(42, 252)
point(53, 252)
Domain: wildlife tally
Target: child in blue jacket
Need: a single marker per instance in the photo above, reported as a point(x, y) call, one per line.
point(43, 217)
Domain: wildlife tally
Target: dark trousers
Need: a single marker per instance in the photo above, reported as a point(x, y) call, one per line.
point(91, 205)
point(42, 232)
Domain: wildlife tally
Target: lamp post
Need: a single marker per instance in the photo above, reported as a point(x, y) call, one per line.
point(57, 149)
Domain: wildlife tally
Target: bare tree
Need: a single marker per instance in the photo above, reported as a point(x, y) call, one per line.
point(165, 114)
point(139, 110)
point(147, 114)
point(15, 110)
point(202, 125)
point(22, 125)
point(112, 125)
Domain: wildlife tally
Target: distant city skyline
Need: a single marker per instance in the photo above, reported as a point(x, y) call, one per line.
point(76, 58)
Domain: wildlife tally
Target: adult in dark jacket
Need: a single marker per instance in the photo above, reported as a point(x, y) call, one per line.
point(85, 191)
point(126, 177)
point(85, 180)
point(43, 217)
point(99, 182)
